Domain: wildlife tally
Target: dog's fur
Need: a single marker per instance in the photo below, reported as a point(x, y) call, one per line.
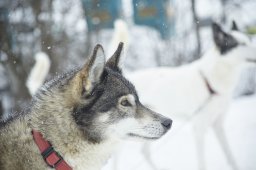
point(84, 114)
point(182, 92)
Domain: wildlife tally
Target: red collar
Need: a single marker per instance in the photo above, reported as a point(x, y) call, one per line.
point(51, 157)
point(209, 87)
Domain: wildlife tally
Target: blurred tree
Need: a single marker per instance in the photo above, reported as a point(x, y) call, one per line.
point(1, 108)
point(197, 29)
point(13, 64)
point(223, 15)
point(27, 27)
point(45, 27)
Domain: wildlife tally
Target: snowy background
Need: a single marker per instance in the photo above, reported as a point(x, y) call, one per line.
point(59, 28)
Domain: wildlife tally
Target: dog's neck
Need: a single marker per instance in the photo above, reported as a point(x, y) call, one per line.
point(221, 73)
point(59, 128)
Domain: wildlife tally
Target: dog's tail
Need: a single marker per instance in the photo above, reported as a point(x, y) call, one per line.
point(121, 34)
point(38, 73)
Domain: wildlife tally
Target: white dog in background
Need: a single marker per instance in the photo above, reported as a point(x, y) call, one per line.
point(201, 90)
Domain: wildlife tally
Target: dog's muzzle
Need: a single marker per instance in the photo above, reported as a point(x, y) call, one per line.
point(166, 123)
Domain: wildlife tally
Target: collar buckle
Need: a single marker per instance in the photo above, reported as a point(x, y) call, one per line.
point(50, 154)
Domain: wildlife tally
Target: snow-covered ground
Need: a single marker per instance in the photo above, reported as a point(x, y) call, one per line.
point(176, 150)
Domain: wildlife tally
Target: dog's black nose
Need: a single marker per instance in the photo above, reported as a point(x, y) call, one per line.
point(167, 123)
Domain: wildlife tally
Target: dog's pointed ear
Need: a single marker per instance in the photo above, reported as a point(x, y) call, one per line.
point(223, 40)
point(234, 26)
point(92, 71)
point(115, 60)
point(218, 34)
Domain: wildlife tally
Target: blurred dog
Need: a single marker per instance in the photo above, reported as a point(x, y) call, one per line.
point(77, 119)
point(201, 90)
point(38, 73)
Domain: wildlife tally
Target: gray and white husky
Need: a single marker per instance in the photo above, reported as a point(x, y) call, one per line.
point(83, 114)
point(201, 90)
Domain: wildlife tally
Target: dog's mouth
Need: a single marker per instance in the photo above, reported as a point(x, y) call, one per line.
point(142, 137)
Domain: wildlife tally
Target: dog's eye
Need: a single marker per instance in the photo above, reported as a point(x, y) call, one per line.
point(126, 103)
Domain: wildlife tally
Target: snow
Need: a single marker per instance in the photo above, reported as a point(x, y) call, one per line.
point(176, 150)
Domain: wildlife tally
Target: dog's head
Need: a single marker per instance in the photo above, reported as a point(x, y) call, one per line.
point(107, 103)
point(234, 46)
point(223, 64)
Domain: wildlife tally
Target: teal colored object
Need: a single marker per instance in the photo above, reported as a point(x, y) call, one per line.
point(153, 13)
point(101, 13)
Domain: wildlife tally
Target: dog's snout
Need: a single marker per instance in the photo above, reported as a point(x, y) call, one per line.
point(167, 123)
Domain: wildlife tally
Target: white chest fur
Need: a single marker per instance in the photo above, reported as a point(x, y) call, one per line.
point(91, 157)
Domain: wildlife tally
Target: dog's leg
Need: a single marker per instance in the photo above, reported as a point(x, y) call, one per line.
point(220, 134)
point(199, 134)
point(147, 155)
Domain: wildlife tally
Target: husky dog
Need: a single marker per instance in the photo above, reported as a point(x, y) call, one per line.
point(201, 90)
point(82, 115)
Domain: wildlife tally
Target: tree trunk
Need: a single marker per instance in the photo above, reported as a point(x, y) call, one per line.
point(197, 29)
point(17, 74)
point(44, 26)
